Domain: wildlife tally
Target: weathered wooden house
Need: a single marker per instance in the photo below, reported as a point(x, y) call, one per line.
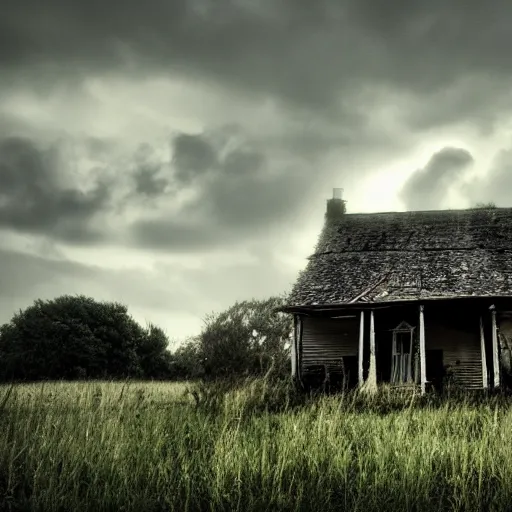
point(406, 298)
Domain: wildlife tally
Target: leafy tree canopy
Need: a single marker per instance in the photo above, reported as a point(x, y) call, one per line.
point(78, 337)
point(249, 338)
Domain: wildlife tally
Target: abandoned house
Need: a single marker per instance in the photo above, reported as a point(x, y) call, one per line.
point(416, 298)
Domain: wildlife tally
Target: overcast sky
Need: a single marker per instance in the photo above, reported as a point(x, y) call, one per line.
point(176, 156)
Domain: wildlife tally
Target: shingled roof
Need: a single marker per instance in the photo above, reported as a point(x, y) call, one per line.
point(383, 257)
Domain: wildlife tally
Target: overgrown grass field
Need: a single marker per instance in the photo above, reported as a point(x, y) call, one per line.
point(163, 446)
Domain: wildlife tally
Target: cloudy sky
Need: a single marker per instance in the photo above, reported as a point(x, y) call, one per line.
point(177, 155)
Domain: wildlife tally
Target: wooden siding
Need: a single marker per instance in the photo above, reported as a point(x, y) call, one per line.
point(326, 340)
point(458, 345)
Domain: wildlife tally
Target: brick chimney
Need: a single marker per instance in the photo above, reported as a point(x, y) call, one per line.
point(335, 206)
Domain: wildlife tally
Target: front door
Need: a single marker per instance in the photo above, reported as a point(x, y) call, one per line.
point(402, 362)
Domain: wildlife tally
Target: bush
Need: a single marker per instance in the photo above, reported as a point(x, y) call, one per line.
point(247, 339)
point(76, 337)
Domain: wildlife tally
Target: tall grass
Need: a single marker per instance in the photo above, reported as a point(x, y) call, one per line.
point(260, 446)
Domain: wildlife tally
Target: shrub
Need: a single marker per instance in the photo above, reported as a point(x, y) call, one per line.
point(76, 337)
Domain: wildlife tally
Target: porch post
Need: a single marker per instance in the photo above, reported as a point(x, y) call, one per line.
point(372, 373)
point(495, 356)
point(484, 359)
point(423, 362)
point(361, 347)
point(294, 346)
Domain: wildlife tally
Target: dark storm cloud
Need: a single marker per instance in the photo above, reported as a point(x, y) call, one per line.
point(307, 53)
point(178, 234)
point(147, 173)
point(245, 194)
point(437, 42)
point(427, 187)
point(253, 201)
point(33, 197)
point(99, 148)
point(148, 183)
point(192, 156)
point(223, 150)
point(230, 210)
point(243, 161)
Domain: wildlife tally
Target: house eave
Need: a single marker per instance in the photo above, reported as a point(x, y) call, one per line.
point(319, 308)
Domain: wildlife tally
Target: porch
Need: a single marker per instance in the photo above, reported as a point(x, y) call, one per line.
point(403, 345)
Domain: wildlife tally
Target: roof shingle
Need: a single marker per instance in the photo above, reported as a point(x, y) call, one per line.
point(385, 257)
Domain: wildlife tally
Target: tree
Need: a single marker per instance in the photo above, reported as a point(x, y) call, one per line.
point(187, 360)
point(75, 337)
point(485, 206)
point(154, 356)
point(247, 339)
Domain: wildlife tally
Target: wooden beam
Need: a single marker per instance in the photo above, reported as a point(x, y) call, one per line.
point(299, 349)
point(369, 289)
point(423, 359)
point(294, 345)
point(495, 348)
point(485, 382)
point(372, 372)
point(361, 349)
